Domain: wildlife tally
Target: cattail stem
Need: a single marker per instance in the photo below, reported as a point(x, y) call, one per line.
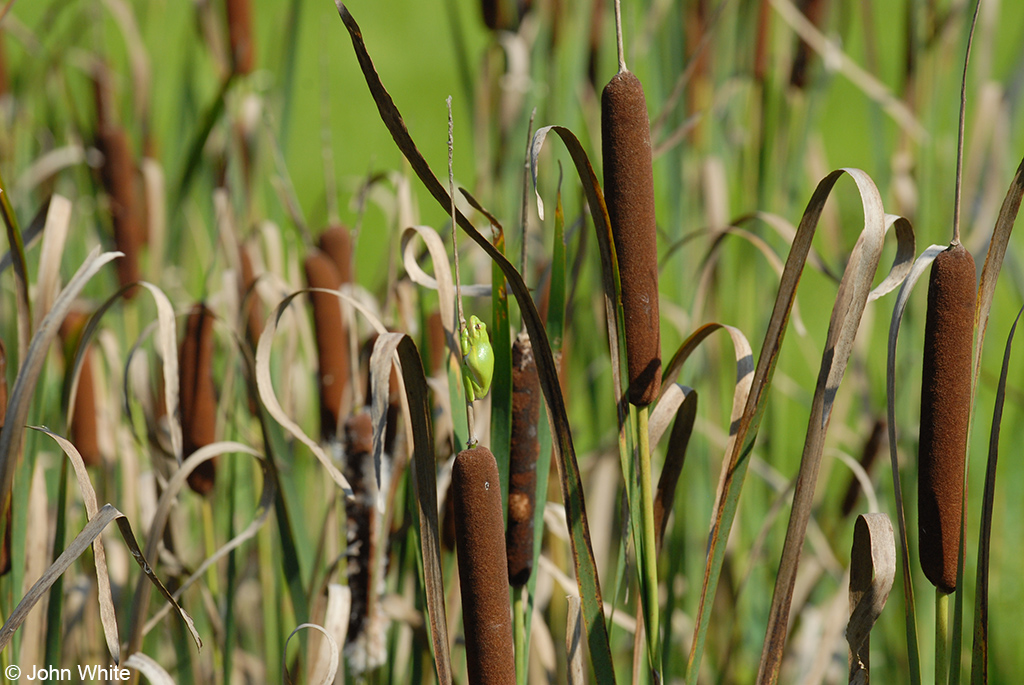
point(470, 417)
point(618, 37)
point(519, 618)
point(960, 129)
point(941, 637)
point(648, 547)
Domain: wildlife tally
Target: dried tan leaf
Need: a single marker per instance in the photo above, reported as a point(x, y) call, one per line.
point(335, 653)
point(872, 571)
point(153, 671)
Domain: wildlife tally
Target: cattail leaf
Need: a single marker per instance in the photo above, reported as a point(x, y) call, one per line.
point(417, 393)
point(167, 347)
point(574, 642)
point(994, 262)
point(155, 189)
point(335, 653)
point(572, 490)
point(30, 236)
point(55, 232)
point(339, 603)
point(24, 387)
point(17, 252)
point(421, 278)
point(169, 499)
point(265, 385)
point(918, 268)
point(153, 671)
point(854, 290)
point(82, 541)
point(107, 616)
point(675, 454)
point(979, 661)
point(872, 572)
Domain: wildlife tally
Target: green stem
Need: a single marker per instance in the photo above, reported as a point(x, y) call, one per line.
point(941, 637)
point(519, 609)
point(647, 546)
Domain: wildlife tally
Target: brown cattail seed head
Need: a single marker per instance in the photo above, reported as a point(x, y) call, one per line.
point(118, 172)
point(336, 242)
point(524, 450)
point(945, 412)
point(629, 193)
point(240, 35)
point(483, 569)
point(331, 339)
point(84, 434)
point(198, 394)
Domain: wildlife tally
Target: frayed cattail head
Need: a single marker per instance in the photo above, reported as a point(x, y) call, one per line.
point(524, 450)
point(240, 36)
point(198, 394)
point(365, 647)
point(83, 422)
point(629, 193)
point(945, 412)
point(483, 568)
point(331, 340)
point(336, 243)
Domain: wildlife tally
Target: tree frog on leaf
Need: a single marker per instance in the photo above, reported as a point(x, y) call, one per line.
point(477, 359)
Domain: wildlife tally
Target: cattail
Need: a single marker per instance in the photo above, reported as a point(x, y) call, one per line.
point(629, 192)
point(253, 315)
point(83, 423)
point(239, 14)
point(331, 340)
point(483, 569)
point(945, 412)
point(198, 394)
point(365, 647)
point(118, 176)
point(524, 450)
point(336, 242)
point(118, 172)
point(815, 11)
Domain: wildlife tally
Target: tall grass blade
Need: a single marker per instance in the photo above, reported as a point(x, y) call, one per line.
point(979, 660)
point(335, 653)
point(572, 489)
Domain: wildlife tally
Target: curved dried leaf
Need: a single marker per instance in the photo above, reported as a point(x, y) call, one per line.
point(335, 653)
point(675, 456)
point(153, 671)
point(872, 571)
point(19, 400)
point(421, 277)
point(169, 498)
point(850, 302)
point(81, 542)
point(107, 616)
